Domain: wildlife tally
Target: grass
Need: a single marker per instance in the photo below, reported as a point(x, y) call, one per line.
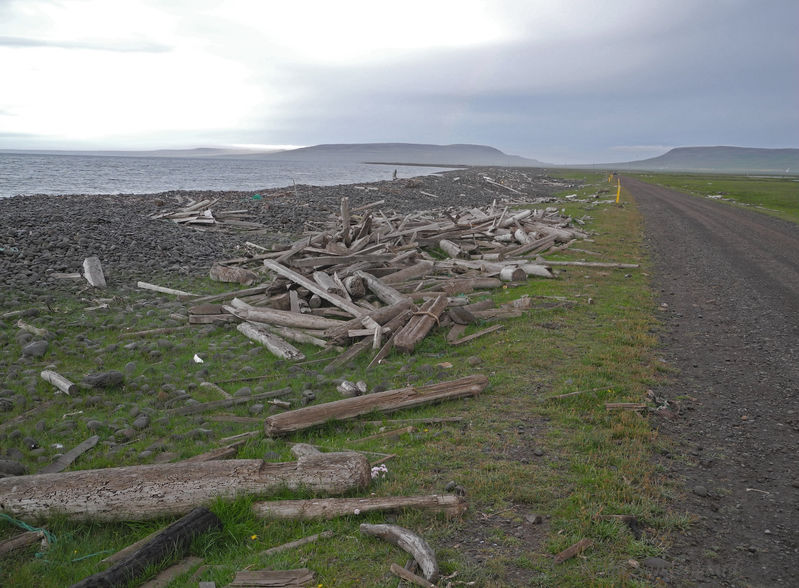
point(516, 454)
point(774, 196)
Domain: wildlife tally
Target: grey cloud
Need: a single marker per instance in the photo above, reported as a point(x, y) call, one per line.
point(114, 46)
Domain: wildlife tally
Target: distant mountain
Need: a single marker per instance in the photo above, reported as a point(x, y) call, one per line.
point(719, 159)
point(413, 153)
point(182, 153)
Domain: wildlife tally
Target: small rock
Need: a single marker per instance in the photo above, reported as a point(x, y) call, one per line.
point(200, 433)
point(10, 467)
point(656, 563)
point(126, 433)
point(130, 367)
point(450, 486)
point(534, 519)
point(474, 361)
point(30, 442)
point(245, 391)
point(109, 379)
point(141, 422)
point(256, 409)
point(700, 491)
point(538, 452)
point(94, 425)
point(35, 348)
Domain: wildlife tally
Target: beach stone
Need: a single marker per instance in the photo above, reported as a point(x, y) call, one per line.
point(6, 404)
point(109, 379)
point(245, 391)
point(10, 467)
point(655, 563)
point(141, 422)
point(130, 367)
point(94, 424)
point(30, 442)
point(35, 348)
point(15, 454)
point(256, 409)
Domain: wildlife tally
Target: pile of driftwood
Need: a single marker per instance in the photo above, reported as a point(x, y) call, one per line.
point(371, 280)
point(201, 215)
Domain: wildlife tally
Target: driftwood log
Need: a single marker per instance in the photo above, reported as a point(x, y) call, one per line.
point(93, 272)
point(390, 400)
point(151, 491)
point(410, 542)
point(59, 381)
point(420, 324)
point(276, 346)
point(175, 539)
point(272, 578)
point(329, 508)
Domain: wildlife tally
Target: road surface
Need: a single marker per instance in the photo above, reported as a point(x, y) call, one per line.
point(727, 281)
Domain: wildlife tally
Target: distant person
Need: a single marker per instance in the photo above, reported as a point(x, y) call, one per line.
point(394, 177)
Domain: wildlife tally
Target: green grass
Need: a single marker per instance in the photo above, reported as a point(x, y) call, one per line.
point(775, 196)
point(516, 453)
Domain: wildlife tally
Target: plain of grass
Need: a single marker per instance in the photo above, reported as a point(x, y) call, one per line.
point(774, 196)
point(516, 453)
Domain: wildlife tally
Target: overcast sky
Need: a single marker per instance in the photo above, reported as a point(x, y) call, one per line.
point(562, 81)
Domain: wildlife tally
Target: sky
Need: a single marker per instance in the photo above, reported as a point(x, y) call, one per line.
point(561, 81)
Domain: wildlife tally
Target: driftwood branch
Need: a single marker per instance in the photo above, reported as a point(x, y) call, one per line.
point(410, 542)
point(329, 508)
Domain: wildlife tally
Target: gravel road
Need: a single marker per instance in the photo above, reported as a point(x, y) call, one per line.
point(727, 280)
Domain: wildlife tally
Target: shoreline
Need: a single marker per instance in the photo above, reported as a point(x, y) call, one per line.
point(43, 235)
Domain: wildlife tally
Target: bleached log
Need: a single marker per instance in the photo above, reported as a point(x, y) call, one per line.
point(451, 249)
point(345, 220)
point(410, 542)
point(59, 381)
point(162, 289)
point(390, 400)
point(151, 491)
point(260, 289)
point(31, 329)
point(224, 273)
point(93, 272)
point(338, 334)
point(420, 324)
point(282, 318)
point(297, 336)
point(511, 220)
point(522, 237)
point(416, 270)
point(326, 282)
point(343, 304)
point(272, 342)
point(298, 542)
point(380, 289)
point(409, 576)
point(329, 508)
point(21, 541)
point(533, 269)
point(512, 274)
point(63, 462)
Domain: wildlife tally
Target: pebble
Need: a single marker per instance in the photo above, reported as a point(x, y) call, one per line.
point(245, 391)
point(700, 491)
point(655, 563)
point(141, 422)
point(109, 379)
point(256, 409)
point(10, 467)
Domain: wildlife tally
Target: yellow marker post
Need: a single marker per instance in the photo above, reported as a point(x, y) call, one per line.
point(618, 191)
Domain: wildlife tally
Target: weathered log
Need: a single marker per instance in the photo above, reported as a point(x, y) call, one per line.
point(410, 542)
point(162, 289)
point(339, 333)
point(215, 388)
point(409, 576)
point(31, 329)
point(272, 578)
point(151, 491)
point(147, 332)
point(63, 462)
point(343, 304)
point(533, 269)
point(451, 249)
point(473, 336)
point(326, 282)
point(420, 324)
point(281, 318)
point(329, 508)
point(350, 354)
point(235, 293)
point(390, 400)
point(512, 274)
point(210, 319)
point(594, 264)
point(21, 541)
point(380, 289)
point(416, 270)
point(575, 549)
point(225, 403)
point(59, 381)
point(93, 272)
point(165, 576)
point(276, 346)
point(224, 273)
point(355, 286)
point(175, 539)
point(296, 336)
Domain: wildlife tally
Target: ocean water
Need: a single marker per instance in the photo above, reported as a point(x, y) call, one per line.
point(87, 174)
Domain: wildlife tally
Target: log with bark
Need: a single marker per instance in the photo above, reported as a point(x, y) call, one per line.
point(175, 539)
point(390, 400)
point(151, 491)
point(329, 508)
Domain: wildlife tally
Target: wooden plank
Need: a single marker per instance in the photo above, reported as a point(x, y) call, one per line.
point(63, 462)
point(329, 508)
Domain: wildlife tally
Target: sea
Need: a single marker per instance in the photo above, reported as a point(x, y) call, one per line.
point(25, 173)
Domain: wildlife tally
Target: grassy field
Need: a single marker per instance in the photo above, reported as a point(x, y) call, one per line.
point(518, 452)
point(775, 196)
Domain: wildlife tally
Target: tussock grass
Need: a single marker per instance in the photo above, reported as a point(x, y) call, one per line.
point(516, 454)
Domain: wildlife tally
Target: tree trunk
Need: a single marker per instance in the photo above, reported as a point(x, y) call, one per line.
point(417, 270)
point(410, 542)
point(281, 318)
point(390, 400)
point(329, 508)
point(152, 491)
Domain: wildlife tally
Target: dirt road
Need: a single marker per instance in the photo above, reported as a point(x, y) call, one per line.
point(728, 283)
